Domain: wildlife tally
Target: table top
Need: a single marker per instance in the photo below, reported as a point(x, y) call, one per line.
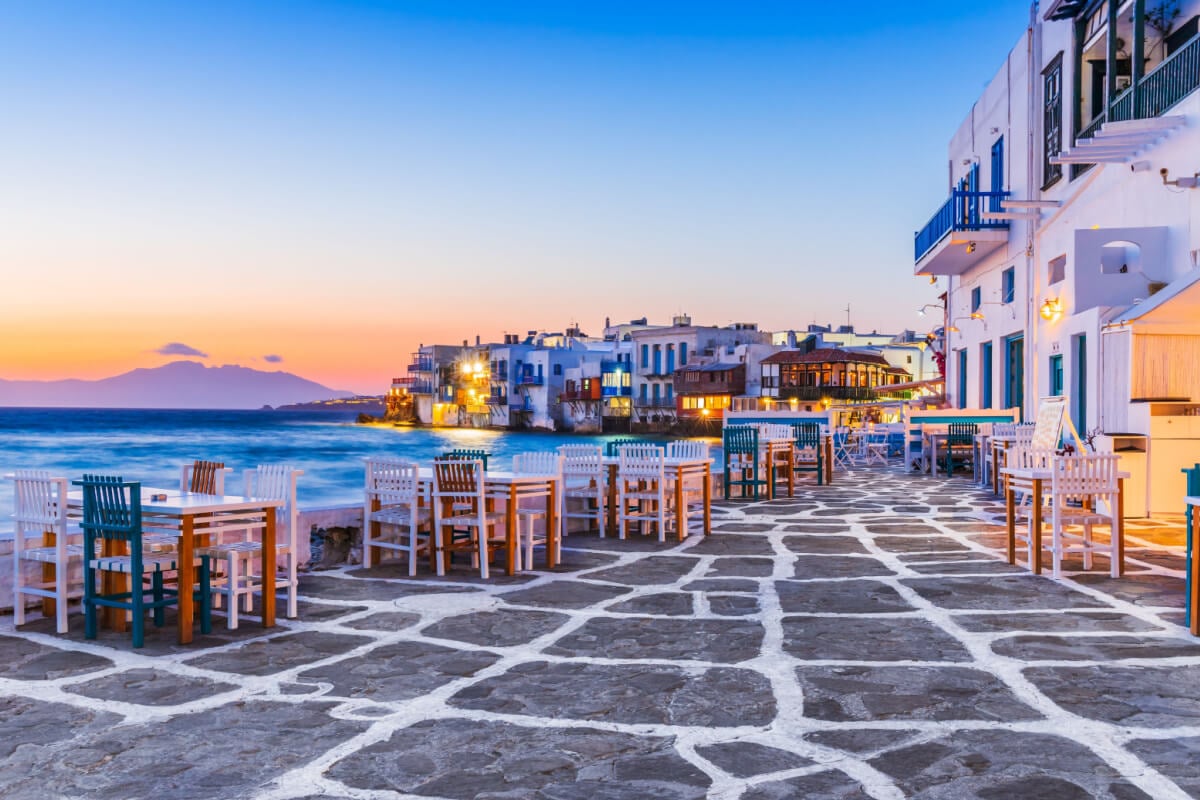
point(1039, 473)
point(612, 461)
point(499, 477)
point(187, 503)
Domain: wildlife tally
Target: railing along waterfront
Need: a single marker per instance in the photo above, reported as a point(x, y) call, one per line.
point(962, 212)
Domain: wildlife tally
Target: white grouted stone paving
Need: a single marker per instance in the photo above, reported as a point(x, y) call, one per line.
point(861, 640)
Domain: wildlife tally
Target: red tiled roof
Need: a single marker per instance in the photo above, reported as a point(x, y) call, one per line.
point(825, 355)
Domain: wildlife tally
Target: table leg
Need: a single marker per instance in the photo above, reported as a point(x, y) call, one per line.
point(49, 574)
point(375, 554)
point(187, 578)
point(1035, 533)
point(553, 535)
point(680, 507)
point(268, 569)
point(1010, 514)
point(1118, 528)
point(791, 469)
point(707, 499)
point(828, 461)
point(1194, 586)
point(612, 498)
point(113, 583)
point(995, 470)
point(510, 531)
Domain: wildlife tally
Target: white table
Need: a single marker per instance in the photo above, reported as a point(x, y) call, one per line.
point(511, 487)
point(1038, 477)
point(679, 470)
point(193, 515)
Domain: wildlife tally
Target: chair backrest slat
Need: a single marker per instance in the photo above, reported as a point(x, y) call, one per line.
point(537, 463)
point(112, 508)
point(740, 440)
point(392, 481)
point(640, 461)
point(468, 455)
point(205, 477)
point(457, 477)
point(807, 434)
point(687, 449)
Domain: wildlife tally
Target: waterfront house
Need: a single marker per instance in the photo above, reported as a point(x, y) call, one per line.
point(703, 392)
point(658, 352)
point(1069, 241)
point(817, 378)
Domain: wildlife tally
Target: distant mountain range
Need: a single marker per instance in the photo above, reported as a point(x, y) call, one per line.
point(180, 384)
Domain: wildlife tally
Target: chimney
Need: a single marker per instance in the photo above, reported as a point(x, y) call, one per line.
point(477, 340)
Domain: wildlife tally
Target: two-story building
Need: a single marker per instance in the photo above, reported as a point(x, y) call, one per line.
point(658, 352)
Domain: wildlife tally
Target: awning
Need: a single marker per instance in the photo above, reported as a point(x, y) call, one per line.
point(1173, 309)
point(902, 387)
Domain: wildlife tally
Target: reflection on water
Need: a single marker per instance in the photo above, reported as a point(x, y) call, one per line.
point(151, 445)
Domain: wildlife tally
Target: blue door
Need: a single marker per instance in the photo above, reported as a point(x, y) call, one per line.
point(985, 374)
point(1014, 373)
point(962, 378)
point(997, 172)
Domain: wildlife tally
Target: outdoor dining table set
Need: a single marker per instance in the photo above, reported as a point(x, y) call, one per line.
point(141, 548)
point(460, 504)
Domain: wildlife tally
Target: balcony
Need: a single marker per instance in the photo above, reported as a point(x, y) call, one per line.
point(420, 387)
point(421, 365)
point(531, 380)
point(958, 235)
point(863, 394)
point(496, 400)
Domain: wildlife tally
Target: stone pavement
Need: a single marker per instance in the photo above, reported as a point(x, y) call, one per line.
point(858, 641)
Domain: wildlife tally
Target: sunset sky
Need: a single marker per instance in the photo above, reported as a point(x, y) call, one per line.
point(320, 186)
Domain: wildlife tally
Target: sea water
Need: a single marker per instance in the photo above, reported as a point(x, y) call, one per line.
point(151, 445)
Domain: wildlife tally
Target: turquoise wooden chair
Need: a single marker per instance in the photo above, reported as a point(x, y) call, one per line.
point(112, 512)
point(1193, 489)
point(611, 448)
point(468, 455)
point(810, 450)
point(960, 438)
point(742, 457)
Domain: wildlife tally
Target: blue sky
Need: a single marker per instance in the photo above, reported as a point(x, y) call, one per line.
point(428, 171)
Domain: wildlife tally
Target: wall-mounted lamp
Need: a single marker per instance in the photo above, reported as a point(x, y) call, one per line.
point(1183, 183)
point(921, 310)
point(1051, 309)
point(933, 280)
point(951, 329)
point(970, 247)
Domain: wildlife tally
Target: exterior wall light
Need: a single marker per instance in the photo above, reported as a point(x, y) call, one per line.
point(1051, 309)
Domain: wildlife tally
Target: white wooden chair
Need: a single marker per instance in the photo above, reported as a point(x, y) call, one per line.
point(541, 463)
point(267, 482)
point(203, 477)
point(583, 474)
point(40, 503)
point(392, 501)
point(460, 501)
point(641, 489)
point(693, 480)
point(1083, 492)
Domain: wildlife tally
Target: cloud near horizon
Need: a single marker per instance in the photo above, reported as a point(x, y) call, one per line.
point(273, 359)
point(179, 349)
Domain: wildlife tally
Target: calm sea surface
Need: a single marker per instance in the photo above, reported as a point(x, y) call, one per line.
point(150, 446)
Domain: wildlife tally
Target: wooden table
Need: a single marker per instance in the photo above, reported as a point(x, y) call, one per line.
point(678, 470)
point(1193, 568)
point(1038, 478)
point(773, 449)
point(194, 515)
point(511, 487)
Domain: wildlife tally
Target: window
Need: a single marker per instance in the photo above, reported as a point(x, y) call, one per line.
point(657, 370)
point(1056, 375)
point(985, 375)
point(657, 393)
point(670, 392)
point(976, 299)
point(909, 359)
point(1056, 270)
point(643, 393)
point(1014, 373)
point(645, 356)
point(1008, 285)
point(558, 369)
point(683, 354)
point(1051, 120)
point(670, 358)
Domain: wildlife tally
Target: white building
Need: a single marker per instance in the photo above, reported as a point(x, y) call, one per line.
point(1069, 243)
point(659, 351)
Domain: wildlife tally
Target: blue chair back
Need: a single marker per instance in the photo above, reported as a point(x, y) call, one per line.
point(112, 508)
point(808, 434)
point(468, 455)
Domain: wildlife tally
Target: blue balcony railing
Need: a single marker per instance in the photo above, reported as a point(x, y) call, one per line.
point(962, 212)
point(421, 365)
point(420, 387)
point(532, 380)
